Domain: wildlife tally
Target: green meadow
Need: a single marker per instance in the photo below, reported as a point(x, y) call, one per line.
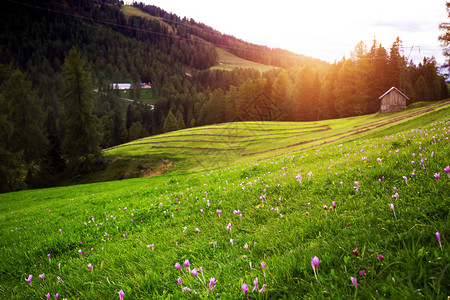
point(228, 61)
point(246, 204)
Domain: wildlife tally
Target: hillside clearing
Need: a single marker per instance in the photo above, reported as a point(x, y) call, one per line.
point(374, 207)
point(220, 145)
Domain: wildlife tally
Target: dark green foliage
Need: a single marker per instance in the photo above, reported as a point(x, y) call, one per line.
point(23, 145)
point(171, 122)
point(81, 144)
point(421, 91)
point(56, 163)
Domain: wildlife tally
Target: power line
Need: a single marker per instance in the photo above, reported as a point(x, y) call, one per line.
point(198, 40)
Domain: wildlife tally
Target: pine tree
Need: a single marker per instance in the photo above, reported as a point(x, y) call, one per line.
point(55, 161)
point(82, 138)
point(421, 90)
point(171, 122)
point(25, 114)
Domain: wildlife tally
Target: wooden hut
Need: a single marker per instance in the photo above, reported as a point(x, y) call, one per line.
point(393, 100)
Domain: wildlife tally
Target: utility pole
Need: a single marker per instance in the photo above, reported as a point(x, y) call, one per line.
point(402, 74)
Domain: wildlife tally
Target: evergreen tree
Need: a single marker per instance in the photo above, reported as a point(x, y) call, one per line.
point(421, 90)
point(171, 122)
point(180, 120)
point(25, 114)
point(280, 94)
point(304, 96)
point(81, 144)
point(135, 131)
point(56, 162)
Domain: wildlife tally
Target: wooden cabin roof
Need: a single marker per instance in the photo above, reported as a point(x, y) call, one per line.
point(390, 90)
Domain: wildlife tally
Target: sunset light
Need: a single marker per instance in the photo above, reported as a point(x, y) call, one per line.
point(323, 29)
point(175, 149)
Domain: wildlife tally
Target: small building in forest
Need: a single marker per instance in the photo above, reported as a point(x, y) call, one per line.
point(393, 100)
point(120, 86)
point(146, 85)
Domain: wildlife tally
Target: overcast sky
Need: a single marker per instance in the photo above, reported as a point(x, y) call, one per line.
point(327, 29)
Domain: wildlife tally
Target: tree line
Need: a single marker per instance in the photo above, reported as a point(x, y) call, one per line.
point(40, 131)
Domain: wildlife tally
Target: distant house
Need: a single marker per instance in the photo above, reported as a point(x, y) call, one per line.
point(393, 100)
point(120, 86)
point(146, 85)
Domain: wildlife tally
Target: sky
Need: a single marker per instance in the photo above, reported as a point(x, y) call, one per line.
point(324, 29)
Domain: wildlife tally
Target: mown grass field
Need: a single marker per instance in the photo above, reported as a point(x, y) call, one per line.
point(368, 205)
point(220, 145)
point(229, 61)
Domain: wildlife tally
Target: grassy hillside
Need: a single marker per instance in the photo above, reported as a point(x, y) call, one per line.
point(229, 61)
point(221, 145)
point(129, 10)
point(368, 206)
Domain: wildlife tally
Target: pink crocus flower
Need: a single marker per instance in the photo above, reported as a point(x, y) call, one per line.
point(315, 265)
point(212, 281)
point(354, 281)
point(201, 210)
point(231, 241)
point(244, 288)
point(438, 236)
point(263, 288)
point(229, 226)
point(299, 177)
point(187, 264)
point(42, 276)
point(60, 230)
point(380, 257)
point(48, 295)
point(392, 207)
point(447, 170)
point(179, 281)
point(177, 265)
point(151, 246)
point(255, 282)
point(362, 272)
point(194, 272)
point(246, 246)
point(121, 294)
point(219, 212)
point(437, 176)
point(56, 295)
point(29, 279)
point(198, 230)
point(90, 266)
point(59, 279)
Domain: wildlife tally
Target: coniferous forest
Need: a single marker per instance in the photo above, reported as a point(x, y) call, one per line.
point(59, 58)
